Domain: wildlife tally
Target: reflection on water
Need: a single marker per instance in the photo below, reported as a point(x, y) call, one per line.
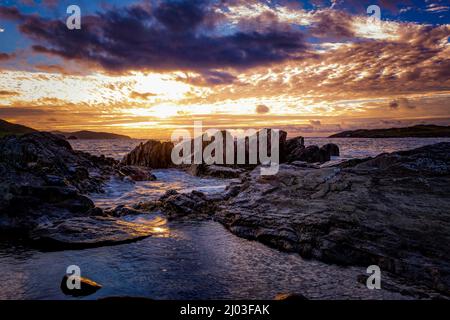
point(196, 260)
point(200, 260)
point(119, 192)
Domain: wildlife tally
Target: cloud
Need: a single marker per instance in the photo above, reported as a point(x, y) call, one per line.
point(5, 93)
point(262, 109)
point(315, 122)
point(401, 103)
point(5, 56)
point(141, 96)
point(208, 78)
point(171, 36)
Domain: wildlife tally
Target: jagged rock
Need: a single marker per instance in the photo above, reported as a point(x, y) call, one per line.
point(215, 171)
point(331, 149)
point(313, 154)
point(137, 173)
point(194, 205)
point(153, 154)
point(87, 287)
point(392, 211)
point(294, 148)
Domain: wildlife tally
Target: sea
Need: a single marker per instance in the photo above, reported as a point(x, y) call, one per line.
point(193, 259)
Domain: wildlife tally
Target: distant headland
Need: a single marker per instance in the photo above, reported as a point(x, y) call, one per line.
point(419, 131)
point(8, 128)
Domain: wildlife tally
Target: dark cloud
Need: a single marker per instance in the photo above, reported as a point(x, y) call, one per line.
point(172, 36)
point(262, 109)
point(5, 56)
point(332, 24)
point(401, 103)
point(393, 104)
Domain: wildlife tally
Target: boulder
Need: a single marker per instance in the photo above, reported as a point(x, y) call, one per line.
point(331, 149)
point(137, 173)
point(153, 154)
point(87, 287)
point(392, 211)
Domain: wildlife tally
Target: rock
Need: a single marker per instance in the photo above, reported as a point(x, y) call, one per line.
point(215, 171)
point(137, 173)
point(294, 148)
point(392, 211)
point(87, 287)
point(153, 154)
point(290, 297)
point(312, 154)
point(72, 138)
point(331, 149)
point(94, 231)
point(175, 205)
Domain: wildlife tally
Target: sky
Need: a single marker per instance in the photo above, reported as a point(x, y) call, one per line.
point(147, 67)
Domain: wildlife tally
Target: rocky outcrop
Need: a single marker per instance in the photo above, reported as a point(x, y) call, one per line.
point(225, 172)
point(156, 154)
point(392, 211)
point(42, 193)
point(93, 231)
point(296, 151)
point(153, 154)
point(331, 149)
point(194, 205)
point(136, 173)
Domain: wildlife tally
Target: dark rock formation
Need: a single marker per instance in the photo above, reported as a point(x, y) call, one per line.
point(226, 172)
point(87, 287)
point(94, 231)
point(392, 211)
point(295, 150)
point(331, 149)
point(153, 154)
point(137, 173)
point(41, 193)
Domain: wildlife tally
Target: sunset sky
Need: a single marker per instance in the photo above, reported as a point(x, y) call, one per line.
point(144, 68)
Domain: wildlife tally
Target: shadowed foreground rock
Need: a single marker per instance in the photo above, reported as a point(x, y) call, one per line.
point(392, 211)
point(42, 187)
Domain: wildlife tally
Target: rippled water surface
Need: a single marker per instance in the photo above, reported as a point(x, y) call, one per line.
point(192, 260)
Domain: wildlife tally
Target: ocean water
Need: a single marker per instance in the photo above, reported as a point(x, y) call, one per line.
point(350, 148)
point(191, 260)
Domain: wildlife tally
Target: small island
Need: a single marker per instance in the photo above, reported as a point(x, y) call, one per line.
point(419, 131)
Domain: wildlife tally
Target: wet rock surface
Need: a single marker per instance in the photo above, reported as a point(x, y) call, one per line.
point(43, 186)
point(153, 154)
point(96, 231)
point(392, 211)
